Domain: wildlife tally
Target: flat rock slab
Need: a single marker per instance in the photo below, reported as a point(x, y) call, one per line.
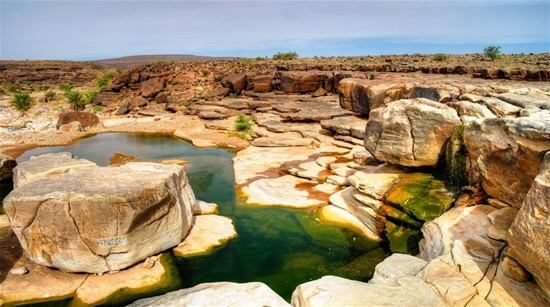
point(281, 141)
point(202, 207)
point(46, 166)
point(346, 125)
point(288, 191)
point(128, 285)
point(207, 233)
point(202, 137)
point(337, 291)
point(217, 294)
point(41, 284)
point(249, 167)
point(342, 217)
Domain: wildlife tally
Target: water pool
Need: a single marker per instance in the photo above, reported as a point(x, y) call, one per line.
point(280, 247)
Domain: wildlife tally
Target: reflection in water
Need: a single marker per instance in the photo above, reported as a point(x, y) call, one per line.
point(278, 246)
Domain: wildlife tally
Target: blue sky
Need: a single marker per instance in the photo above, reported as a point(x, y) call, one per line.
point(86, 30)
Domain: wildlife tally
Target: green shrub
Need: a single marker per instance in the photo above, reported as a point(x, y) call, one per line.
point(285, 56)
point(440, 57)
point(175, 82)
point(96, 109)
point(66, 87)
point(233, 95)
point(90, 96)
point(183, 103)
point(43, 88)
point(14, 88)
point(76, 99)
point(103, 81)
point(49, 96)
point(159, 62)
point(22, 101)
point(2, 91)
point(259, 58)
point(243, 123)
point(119, 70)
point(493, 52)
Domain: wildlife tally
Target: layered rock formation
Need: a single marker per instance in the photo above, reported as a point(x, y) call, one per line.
point(62, 224)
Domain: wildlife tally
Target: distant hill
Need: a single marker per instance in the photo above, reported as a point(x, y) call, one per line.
point(129, 61)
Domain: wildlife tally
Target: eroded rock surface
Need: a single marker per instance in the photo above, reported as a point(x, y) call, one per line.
point(96, 219)
point(410, 132)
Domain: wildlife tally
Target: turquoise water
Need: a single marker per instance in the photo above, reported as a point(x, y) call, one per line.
point(280, 247)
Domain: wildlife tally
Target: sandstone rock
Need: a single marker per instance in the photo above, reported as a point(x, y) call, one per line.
point(7, 164)
point(449, 283)
point(282, 141)
point(286, 191)
point(319, 93)
point(395, 266)
point(40, 284)
point(467, 108)
point(368, 215)
point(217, 294)
point(337, 291)
point(375, 182)
point(530, 231)
point(508, 292)
point(501, 220)
point(61, 221)
point(340, 216)
point(207, 233)
point(161, 97)
point(217, 93)
point(306, 169)
point(512, 269)
point(514, 144)
point(364, 157)
point(525, 101)
point(362, 96)
point(136, 103)
point(87, 119)
point(152, 87)
point(410, 132)
point(212, 115)
point(130, 284)
point(345, 125)
point(235, 83)
point(301, 82)
point(201, 137)
point(441, 233)
point(45, 166)
point(262, 83)
point(202, 207)
point(497, 106)
point(248, 168)
point(72, 127)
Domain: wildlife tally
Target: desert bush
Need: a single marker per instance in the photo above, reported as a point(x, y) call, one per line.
point(233, 95)
point(285, 56)
point(259, 58)
point(103, 81)
point(96, 109)
point(14, 88)
point(22, 101)
point(67, 87)
point(49, 96)
point(243, 123)
point(76, 99)
point(90, 96)
point(43, 88)
point(493, 52)
point(2, 91)
point(440, 57)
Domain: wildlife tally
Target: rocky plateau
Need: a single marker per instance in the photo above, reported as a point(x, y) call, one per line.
point(361, 143)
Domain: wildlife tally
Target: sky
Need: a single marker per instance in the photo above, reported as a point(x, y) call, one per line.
point(99, 29)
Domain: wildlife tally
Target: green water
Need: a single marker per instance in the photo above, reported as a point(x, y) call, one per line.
point(280, 247)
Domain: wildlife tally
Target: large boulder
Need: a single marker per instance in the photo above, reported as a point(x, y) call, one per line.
point(516, 145)
point(362, 95)
point(152, 87)
point(410, 132)
point(301, 82)
point(530, 231)
point(7, 164)
point(235, 83)
point(87, 119)
point(97, 219)
point(217, 294)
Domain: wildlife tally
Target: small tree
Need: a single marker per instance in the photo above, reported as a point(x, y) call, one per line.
point(76, 100)
point(285, 56)
point(22, 101)
point(493, 52)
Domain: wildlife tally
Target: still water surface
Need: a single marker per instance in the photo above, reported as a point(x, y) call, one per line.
point(280, 247)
